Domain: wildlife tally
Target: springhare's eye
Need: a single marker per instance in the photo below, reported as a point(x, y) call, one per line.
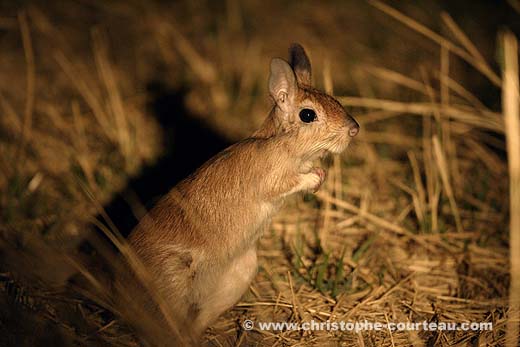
point(307, 115)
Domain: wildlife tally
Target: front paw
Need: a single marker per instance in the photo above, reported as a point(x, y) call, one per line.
point(312, 180)
point(320, 174)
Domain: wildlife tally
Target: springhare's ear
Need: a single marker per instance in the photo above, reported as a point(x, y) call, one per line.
point(282, 83)
point(301, 64)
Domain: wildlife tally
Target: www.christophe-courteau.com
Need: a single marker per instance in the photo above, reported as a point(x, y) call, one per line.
point(367, 326)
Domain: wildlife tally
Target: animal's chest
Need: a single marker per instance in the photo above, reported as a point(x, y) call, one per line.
point(262, 219)
point(266, 212)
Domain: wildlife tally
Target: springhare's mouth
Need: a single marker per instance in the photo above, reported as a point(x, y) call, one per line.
point(340, 147)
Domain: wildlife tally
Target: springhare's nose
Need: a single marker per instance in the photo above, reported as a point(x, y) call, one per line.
point(353, 128)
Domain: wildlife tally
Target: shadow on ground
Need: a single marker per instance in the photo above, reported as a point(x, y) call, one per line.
point(189, 142)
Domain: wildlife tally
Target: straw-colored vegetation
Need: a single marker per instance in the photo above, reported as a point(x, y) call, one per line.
point(413, 223)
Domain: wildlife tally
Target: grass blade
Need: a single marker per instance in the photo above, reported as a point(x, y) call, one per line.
point(510, 104)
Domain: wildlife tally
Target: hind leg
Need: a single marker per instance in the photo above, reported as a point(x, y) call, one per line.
point(227, 289)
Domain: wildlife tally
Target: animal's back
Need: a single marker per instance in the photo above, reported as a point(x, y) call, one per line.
point(217, 196)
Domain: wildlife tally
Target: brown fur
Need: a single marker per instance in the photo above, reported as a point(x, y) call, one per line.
point(199, 242)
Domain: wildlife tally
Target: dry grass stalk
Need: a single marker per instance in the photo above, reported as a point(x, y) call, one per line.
point(396, 77)
point(445, 75)
point(199, 65)
point(419, 208)
point(142, 276)
point(462, 37)
point(107, 76)
point(480, 65)
point(448, 145)
point(421, 193)
point(461, 91)
point(431, 172)
point(86, 92)
point(510, 105)
point(334, 180)
point(444, 169)
point(30, 85)
point(478, 118)
point(389, 138)
point(378, 221)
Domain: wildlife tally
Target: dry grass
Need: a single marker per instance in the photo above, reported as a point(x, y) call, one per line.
point(511, 104)
point(411, 226)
